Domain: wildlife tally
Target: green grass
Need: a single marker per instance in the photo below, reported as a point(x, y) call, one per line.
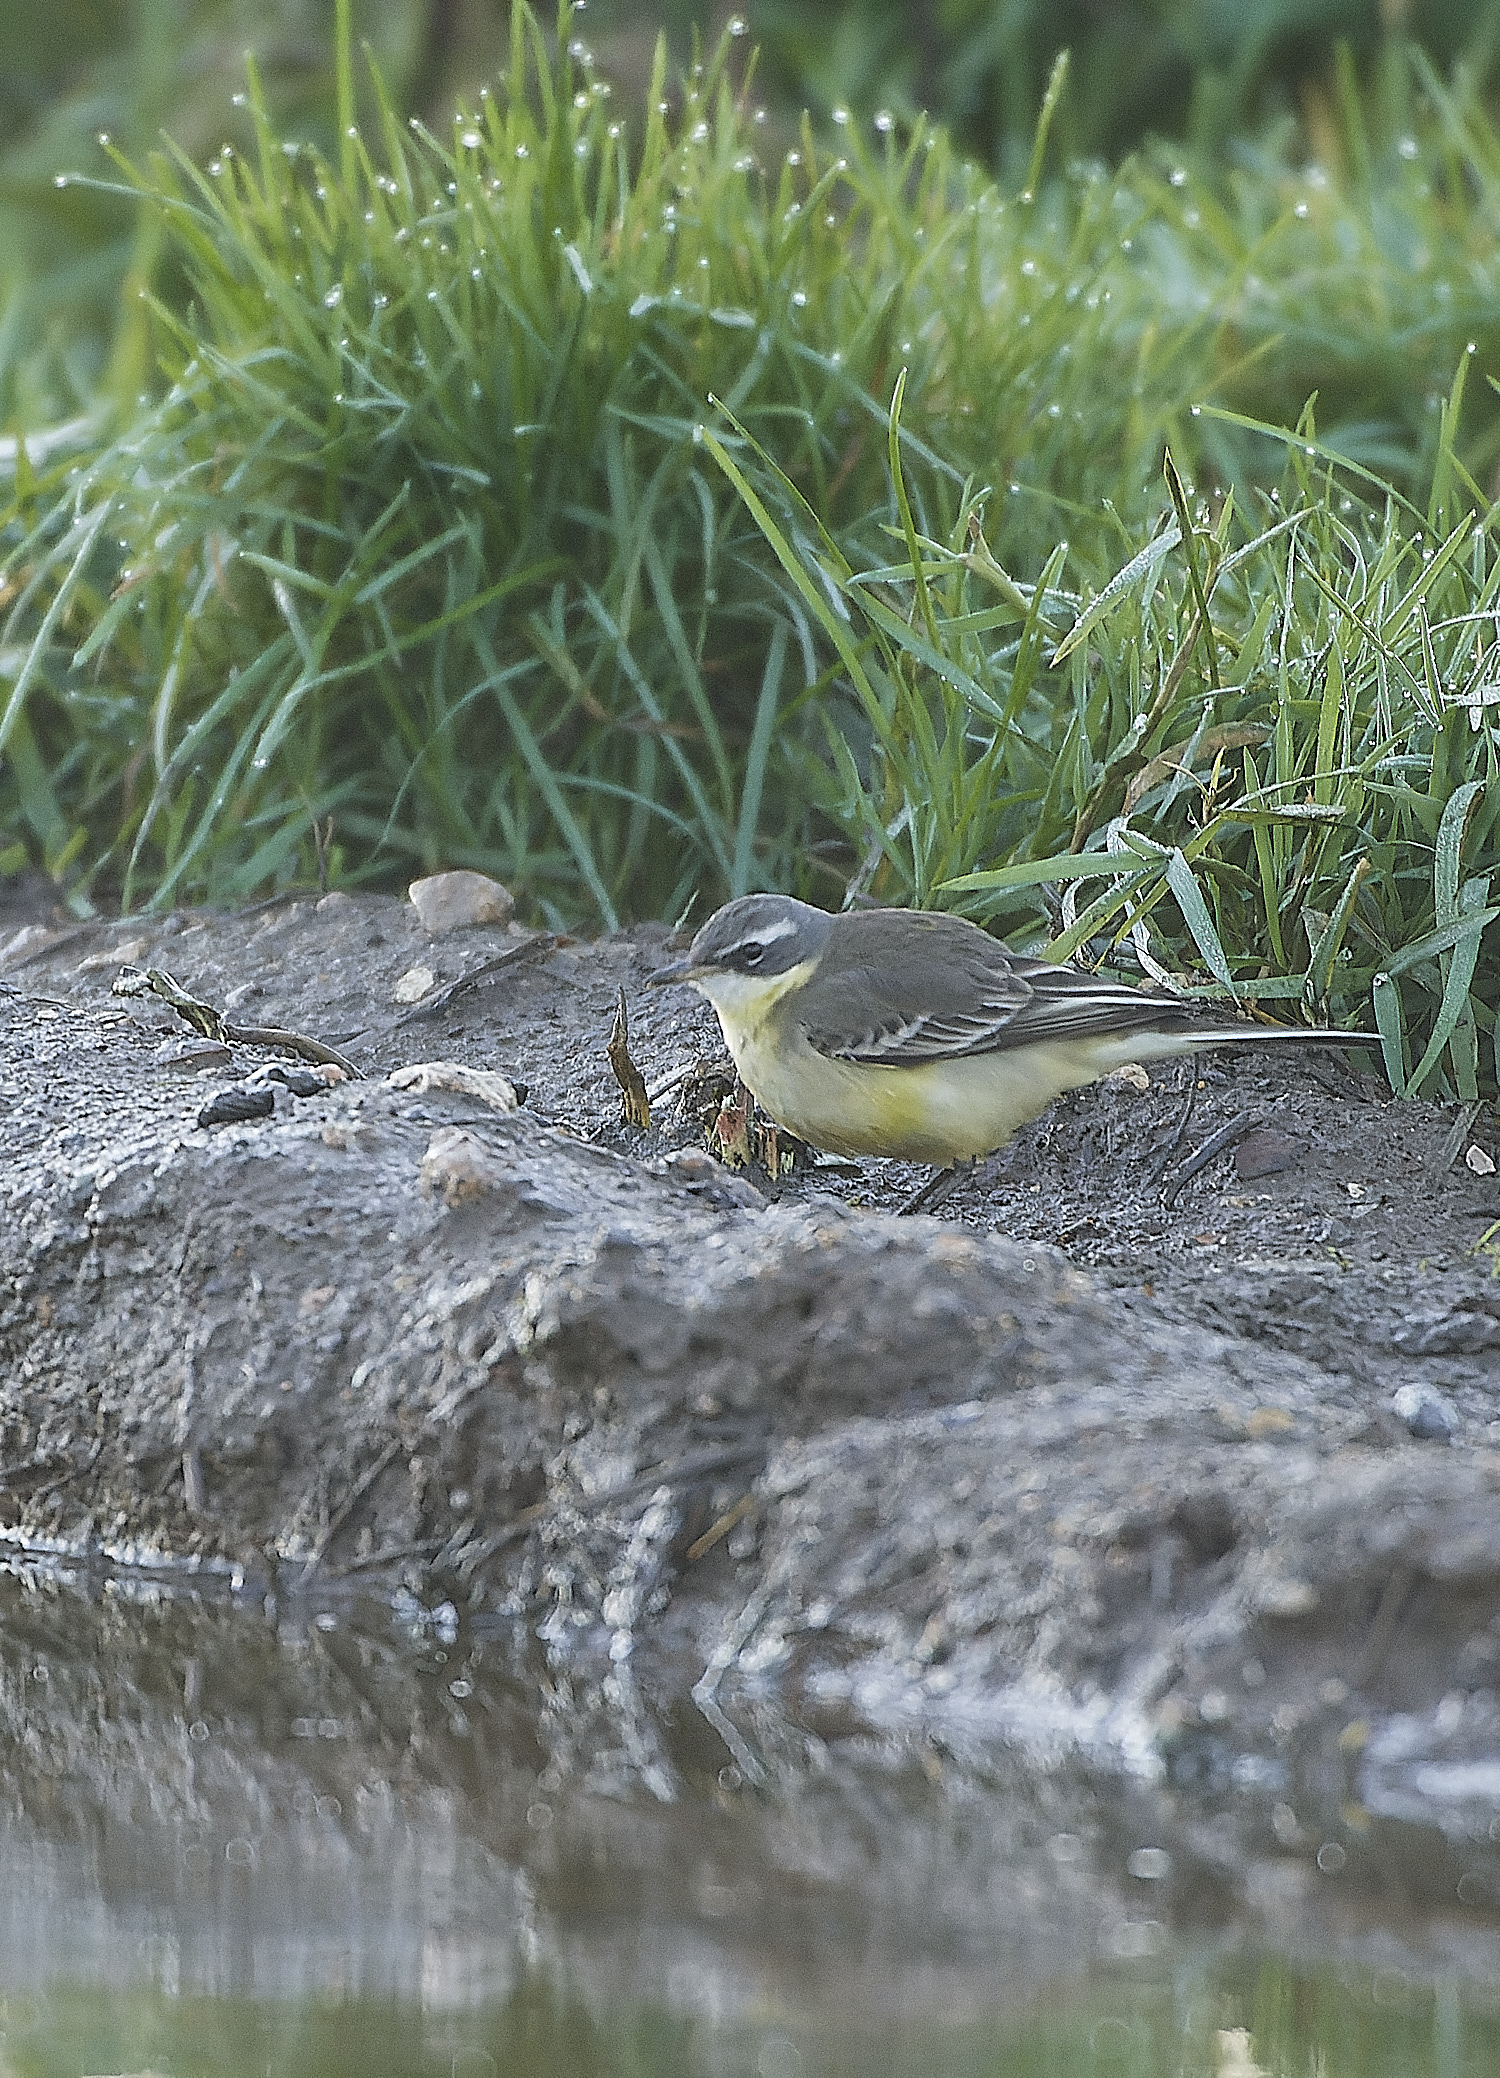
point(1265, 748)
point(435, 531)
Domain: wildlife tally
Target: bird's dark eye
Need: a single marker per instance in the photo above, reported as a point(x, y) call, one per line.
point(752, 954)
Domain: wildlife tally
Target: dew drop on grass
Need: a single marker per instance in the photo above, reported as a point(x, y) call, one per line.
point(700, 132)
point(885, 122)
point(1300, 209)
point(841, 116)
point(1408, 148)
point(471, 140)
point(522, 152)
point(738, 26)
point(1196, 411)
point(799, 298)
point(61, 181)
point(1179, 176)
point(237, 100)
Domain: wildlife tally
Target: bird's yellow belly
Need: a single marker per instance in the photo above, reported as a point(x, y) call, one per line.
point(938, 1111)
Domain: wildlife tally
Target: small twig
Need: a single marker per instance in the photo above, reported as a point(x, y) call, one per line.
point(427, 1548)
point(698, 1466)
point(533, 948)
point(210, 1023)
point(10, 1473)
point(664, 1087)
point(292, 1042)
point(1215, 1144)
point(716, 1531)
point(1458, 1133)
point(1165, 1155)
point(73, 1472)
point(340, 1514)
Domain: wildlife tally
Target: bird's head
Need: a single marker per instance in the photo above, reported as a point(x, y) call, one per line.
point(747, 946)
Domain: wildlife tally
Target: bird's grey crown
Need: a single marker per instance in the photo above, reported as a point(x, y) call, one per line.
point(761, 934)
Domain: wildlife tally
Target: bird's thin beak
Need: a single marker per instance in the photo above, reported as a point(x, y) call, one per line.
point(679, 970)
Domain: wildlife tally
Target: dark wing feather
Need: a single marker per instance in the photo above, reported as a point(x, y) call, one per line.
point(897, 988)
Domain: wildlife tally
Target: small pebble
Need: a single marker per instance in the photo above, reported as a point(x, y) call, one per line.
point(1427, 1415)
point(452, 901)
point(414, 984)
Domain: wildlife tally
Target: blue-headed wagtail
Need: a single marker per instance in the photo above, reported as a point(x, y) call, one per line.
point(910, 1033)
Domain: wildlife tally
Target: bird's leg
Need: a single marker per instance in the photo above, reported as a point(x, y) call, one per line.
point(939, 1186)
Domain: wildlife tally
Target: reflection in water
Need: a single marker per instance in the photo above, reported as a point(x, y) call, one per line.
point(1282, 2022)
point(332, 1838)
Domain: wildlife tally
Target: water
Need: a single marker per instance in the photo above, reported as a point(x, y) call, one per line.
point(1231, 2021)
point(327, 1839)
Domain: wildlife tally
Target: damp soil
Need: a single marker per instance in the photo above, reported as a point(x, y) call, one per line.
point(1174, 1472)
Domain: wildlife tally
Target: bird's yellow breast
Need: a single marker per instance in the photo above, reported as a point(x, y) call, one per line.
point(930, 1111)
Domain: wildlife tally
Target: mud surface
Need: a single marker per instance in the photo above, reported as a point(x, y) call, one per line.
point(1193, 1479)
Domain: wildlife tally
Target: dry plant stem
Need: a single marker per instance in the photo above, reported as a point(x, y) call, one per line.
point(632, 1087)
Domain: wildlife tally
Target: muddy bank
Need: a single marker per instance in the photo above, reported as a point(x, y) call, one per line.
point(1107, 1461)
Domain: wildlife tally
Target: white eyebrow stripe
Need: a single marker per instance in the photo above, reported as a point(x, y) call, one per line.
point(767, 936)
